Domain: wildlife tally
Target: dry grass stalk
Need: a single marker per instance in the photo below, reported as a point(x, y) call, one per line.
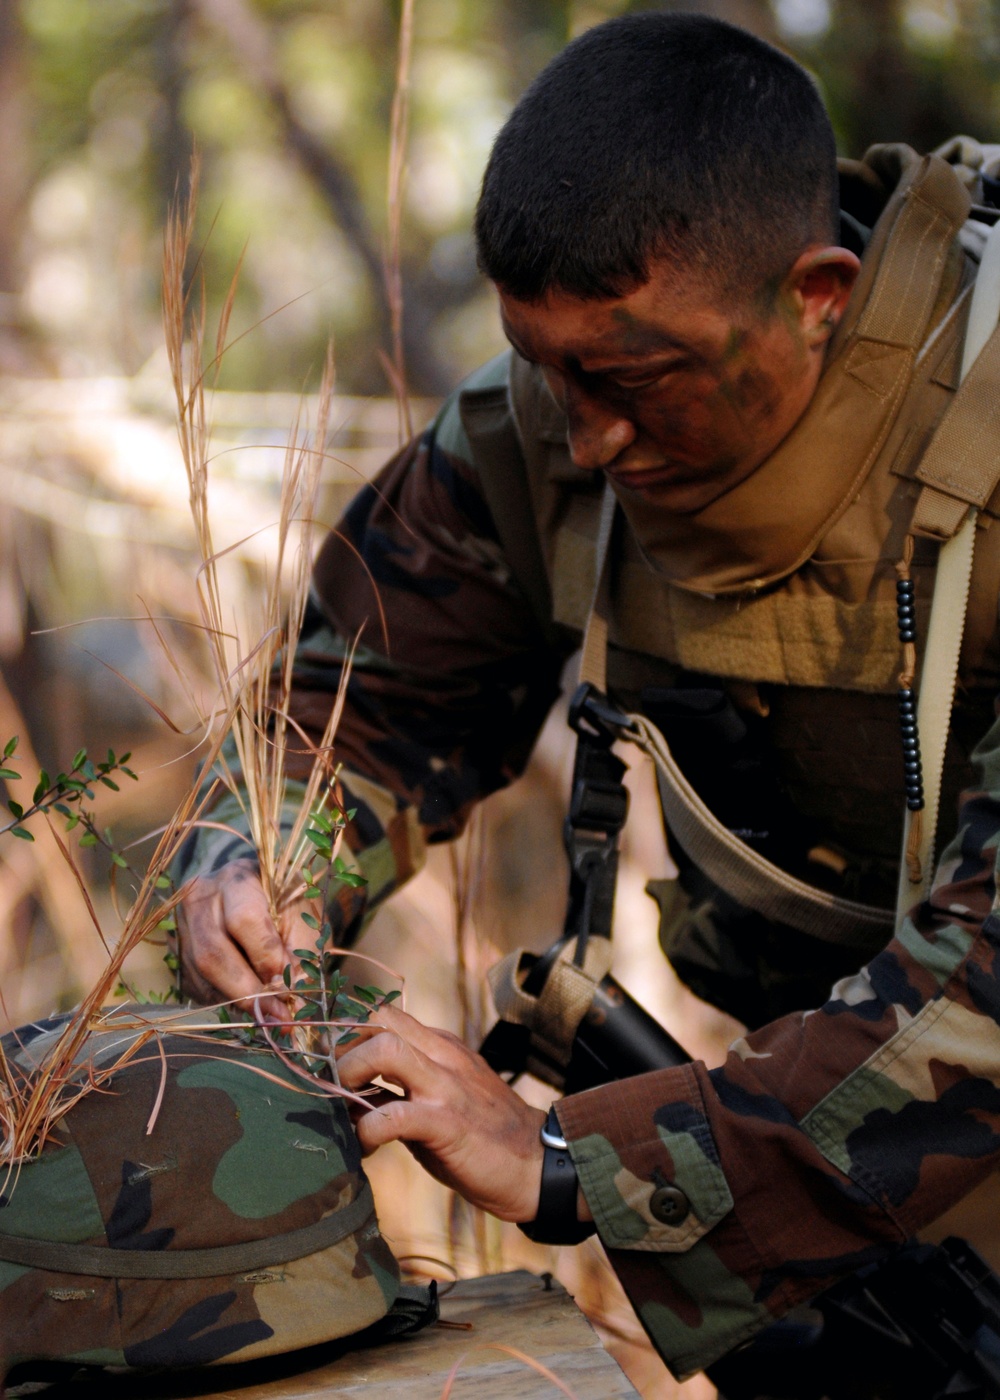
point(253, 672)
point(252, 661)
point(32, 1105)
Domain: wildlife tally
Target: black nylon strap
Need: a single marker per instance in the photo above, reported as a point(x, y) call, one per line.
point(99, 1261)
point(556, 1221)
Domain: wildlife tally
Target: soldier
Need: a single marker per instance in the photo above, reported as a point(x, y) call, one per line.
point(755, 363)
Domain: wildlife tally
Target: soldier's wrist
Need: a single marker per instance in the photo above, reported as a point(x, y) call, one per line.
point(559, 1219)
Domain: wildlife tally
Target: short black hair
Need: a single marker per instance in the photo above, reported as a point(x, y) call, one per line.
point(658, 135)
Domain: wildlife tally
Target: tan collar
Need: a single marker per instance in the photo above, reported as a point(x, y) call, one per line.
point(770, 524)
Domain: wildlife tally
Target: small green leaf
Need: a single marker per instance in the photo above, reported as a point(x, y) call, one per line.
point(89, 839)
point(22, 833)
point(10, 746)
point(79, 759)
point(72, 821)
point(8, 773)
point(163, 882)
point(108, 782)
point(169, 924)
point(16, 810)
point(286, 975)
point(128, 772)
point(171, 959)
point(312, 892)
point(62, 809)
point(310, 920)
point(366, 994)
point(391, 996)
point(353, 882)
point(319, 839)
point(347, 1037)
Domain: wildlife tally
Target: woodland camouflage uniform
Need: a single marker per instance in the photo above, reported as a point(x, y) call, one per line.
point(829, 1135)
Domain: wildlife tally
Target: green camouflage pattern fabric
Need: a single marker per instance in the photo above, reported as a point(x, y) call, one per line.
point(830, 1134)
point(241, 1151)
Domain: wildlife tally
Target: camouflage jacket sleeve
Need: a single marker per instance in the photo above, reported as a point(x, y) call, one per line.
point(451, 675)
point(726, 1196)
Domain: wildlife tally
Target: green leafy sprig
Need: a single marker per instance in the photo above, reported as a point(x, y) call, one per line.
point(325, 994)
point(67, 794)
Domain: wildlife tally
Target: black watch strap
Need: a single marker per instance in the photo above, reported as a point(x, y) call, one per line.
point(556, 1221)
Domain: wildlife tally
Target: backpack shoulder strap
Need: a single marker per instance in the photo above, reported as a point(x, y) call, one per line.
point(960, 472)
point(497, 454)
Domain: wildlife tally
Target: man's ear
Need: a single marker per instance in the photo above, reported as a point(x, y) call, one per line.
point(819, 284)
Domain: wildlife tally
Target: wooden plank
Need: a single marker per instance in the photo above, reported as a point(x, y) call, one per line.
point(519, 1310)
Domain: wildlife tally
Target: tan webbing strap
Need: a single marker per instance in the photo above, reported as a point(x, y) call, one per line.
point(734, 866)
point(594, 658)
point(746, 875)
point(969, 429)
point(554, 1016)
point(961, 466)
point(916, 250)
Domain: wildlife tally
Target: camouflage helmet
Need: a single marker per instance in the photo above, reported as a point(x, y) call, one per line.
point(241, 1225)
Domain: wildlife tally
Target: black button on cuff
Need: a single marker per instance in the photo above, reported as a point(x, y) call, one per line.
point(669, 1205)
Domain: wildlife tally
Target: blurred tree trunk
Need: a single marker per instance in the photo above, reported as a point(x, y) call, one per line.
point(879, 86)
point(754, 15)
point(15, 164)
point(172, 141)
point(13, 144)
point(251, 42)
point(532, 32)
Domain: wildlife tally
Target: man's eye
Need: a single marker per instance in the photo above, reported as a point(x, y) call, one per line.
point(647, 380)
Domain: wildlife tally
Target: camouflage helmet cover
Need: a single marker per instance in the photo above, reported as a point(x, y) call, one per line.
point(241, 1225)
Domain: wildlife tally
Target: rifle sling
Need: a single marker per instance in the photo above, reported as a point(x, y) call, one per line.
point(743, 873)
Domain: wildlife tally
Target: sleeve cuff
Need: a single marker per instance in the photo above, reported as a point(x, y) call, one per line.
point(651, 1176)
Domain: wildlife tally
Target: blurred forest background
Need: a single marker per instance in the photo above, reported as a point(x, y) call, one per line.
point(289, 103)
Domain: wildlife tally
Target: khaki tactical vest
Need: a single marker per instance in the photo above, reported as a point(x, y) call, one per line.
point(784, 588)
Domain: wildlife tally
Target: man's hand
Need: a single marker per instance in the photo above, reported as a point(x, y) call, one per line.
point(459, 1119)
point(228, 944)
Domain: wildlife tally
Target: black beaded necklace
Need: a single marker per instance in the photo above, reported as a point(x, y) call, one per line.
point(906, 621)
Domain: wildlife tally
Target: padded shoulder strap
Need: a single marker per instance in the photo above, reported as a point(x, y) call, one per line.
point(499, 459)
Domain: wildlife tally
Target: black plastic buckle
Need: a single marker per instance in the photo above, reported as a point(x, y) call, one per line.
point(592, 714)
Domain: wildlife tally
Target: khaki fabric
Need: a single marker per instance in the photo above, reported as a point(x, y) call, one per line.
point(789, 579)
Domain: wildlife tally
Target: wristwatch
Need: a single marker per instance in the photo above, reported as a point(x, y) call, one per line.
point(556, 1221)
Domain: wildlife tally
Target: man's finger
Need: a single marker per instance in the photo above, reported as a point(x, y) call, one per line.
point(389, 1055)
point(390, 1121)
point(248, 922)
point(224, 930)
point(441, 1046)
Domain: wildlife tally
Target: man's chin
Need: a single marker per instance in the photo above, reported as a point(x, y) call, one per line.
point(679, 492)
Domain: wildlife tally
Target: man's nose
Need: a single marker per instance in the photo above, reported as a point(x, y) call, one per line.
point(598, 432)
